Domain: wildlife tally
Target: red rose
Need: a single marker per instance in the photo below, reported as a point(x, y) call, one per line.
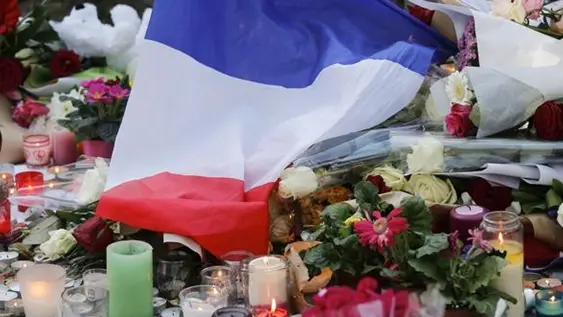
point(548, 121)
point(378, 182)
point(26, 111)
point(11, 74)
point(9, 15)
point(421, 13)
point(94, 235)
point(457, 121)
point(65, 63)
point(491, 197)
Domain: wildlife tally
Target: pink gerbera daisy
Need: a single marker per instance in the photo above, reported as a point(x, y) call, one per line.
point(382, 231)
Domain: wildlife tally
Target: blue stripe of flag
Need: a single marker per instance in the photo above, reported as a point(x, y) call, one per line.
point(288, 42)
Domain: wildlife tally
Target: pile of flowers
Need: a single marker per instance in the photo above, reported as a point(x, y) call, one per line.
point(98, 115)
point(396, 245)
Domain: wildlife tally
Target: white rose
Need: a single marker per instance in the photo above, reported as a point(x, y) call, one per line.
point(297, 182)
point(432, 189)
point(508, 9)
point(427, 156)
point(392, 177)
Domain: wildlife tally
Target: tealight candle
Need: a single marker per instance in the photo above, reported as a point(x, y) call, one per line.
point(18, 265)
point(8, 257)
point(549, 303)
point(202, 300)
point(41, 287)
point(172, 312)
point(158, 304)
point(267, 280)
point(29, 182)
point(232, 312)
point(548, 283)
point(273, 311)
point(15, 307)
point(37, 150)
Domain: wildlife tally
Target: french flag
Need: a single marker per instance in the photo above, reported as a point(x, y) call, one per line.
point(229, 92)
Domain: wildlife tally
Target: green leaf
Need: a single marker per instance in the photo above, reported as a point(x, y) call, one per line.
point(336, 213)
point(433, 244)
point(552, 199)
point(322, 256)
point(525, 197)
point(315, 235)
point(368, 269)
point(417, 214)
point(485, 306)
point(349, 242)
point(533, 207)
point(38, 77)
point(97, 72)
point(108, 130)
point(487, 270)
point(557, 186)
point(427, 266)
point(366, 195)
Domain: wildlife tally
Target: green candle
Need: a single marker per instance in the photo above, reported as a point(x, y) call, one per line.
point(129, 269)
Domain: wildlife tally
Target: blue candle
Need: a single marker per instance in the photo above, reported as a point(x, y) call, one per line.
point(549, 303)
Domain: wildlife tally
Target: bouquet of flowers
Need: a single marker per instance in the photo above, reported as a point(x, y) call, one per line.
point(24, 43)
point(97, 116)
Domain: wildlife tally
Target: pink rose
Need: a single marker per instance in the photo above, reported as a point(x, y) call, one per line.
point(457, 121)
point(533, 8)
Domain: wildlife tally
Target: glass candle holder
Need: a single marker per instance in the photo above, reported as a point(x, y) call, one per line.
point(504, 232)
point(85, 302)
point(130, 280)
point(234, 260)
point(232, 312)
point(41, 286)
point(202, 300)
point(5, 216)
point(7, 174)
point(29, 182)
point(265, 279)
point(549, 303)
point(15, 307)
point(64, 147)
point(94, 281)
point(171, 273)
point(221, 276)
point(37, 150)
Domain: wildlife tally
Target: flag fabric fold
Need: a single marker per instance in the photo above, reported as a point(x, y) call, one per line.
point(228, 93)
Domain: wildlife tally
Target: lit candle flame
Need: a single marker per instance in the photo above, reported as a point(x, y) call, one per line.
point(266, 261)
point(552, 299)
point(4, 177)
point(29, 187)
point(57, 170)
point(547, 282)
point(219, 273)
point(273, 308)
point(36, 144)
point(500, 238)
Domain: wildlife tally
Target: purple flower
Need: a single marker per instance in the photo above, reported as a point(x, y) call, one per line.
point(89, 83)
point(98, 93)
point(552, 213)
point(478, 241)
point(118, 92)
point(467, 47)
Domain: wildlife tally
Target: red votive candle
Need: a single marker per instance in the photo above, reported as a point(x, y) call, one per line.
point(272, 312)
point(29, 182)
point(463, 218)
point(5, 217)
point(37, 150)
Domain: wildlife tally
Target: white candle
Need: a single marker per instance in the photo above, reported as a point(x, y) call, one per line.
point(267, 280)
point(39, 301)
point(197, 308)
point(511, 277)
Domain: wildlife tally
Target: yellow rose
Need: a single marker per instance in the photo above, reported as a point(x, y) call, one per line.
point(432, 189)
point(352, 220)
point(392, 177)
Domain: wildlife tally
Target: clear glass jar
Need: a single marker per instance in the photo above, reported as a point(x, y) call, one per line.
point(504, 232)
point(265, 279)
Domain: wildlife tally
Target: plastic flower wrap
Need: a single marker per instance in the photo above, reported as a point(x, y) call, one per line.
point(93, 183)
point(60, 243)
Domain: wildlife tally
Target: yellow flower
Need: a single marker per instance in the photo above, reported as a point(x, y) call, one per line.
point(432, 189)
point(352, 220)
